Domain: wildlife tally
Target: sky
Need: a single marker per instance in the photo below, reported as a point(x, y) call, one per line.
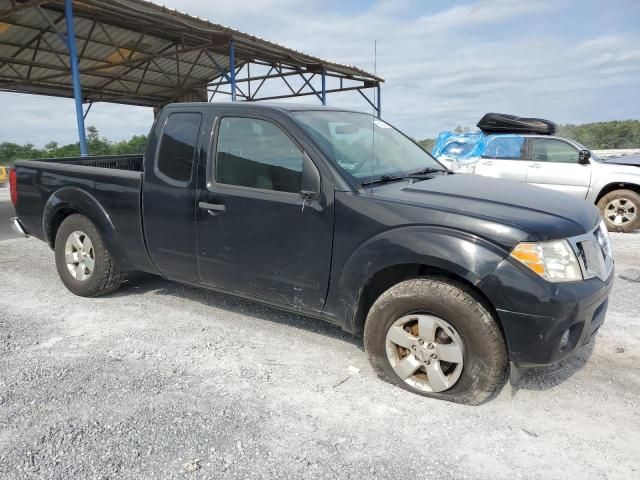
point(445, 63)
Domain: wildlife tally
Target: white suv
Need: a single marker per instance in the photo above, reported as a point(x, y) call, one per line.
point(560, 164)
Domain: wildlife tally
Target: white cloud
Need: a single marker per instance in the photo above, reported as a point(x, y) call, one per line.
point(442, 68)
point(481, 12)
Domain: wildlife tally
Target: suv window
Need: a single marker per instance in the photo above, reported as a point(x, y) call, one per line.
point(552, 150)
point(258, 154)
point(178, 145)
point(506, 148)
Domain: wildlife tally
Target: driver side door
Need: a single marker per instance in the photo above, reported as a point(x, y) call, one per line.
point(264, 222)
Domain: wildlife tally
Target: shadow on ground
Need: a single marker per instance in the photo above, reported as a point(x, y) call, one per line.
point(544, 378)
point(140, 284)
point(537, 379)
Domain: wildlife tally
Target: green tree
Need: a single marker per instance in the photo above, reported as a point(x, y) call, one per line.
point(427, 144)
point(97, 146)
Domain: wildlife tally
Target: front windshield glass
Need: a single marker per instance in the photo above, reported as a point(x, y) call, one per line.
point(364, 146)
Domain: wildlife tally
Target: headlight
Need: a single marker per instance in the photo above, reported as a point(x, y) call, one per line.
point(554, 261)
point(603, 239)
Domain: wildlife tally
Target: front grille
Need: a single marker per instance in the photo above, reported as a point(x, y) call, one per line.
point(594, 253)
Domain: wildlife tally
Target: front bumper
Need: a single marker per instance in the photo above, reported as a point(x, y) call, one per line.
point(16, 226)
point(534, 338)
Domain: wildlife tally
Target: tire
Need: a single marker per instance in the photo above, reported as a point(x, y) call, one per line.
point(620, 210)
point(469, 326)
point(104, 277)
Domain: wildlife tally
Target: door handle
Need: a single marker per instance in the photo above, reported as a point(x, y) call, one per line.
point(488, 164)
point(535, 165)
point(212, 208)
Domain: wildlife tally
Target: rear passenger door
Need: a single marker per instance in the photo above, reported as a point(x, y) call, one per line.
point(504, 157)
point(257, 236)
point(555, 164)
point(168, 192)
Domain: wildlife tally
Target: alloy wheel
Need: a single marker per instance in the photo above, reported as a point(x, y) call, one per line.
point(620, 211)
point(79, 255)
point(425, 351)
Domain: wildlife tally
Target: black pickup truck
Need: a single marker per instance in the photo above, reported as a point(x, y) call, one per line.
point(337, 215)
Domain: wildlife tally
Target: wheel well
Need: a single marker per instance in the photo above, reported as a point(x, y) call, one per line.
point(617, 186)
point(55, 222)
point(390, 276)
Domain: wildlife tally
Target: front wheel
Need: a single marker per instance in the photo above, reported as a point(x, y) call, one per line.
point(84, 264)
point(620, 210)
point(433, 337)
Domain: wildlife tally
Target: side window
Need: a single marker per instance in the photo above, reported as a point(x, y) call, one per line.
point(178, 146)
point(552, 150)
point(506, 148)
point(258, 154)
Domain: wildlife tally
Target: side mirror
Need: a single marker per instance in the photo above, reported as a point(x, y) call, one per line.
point(584, 156)
point(310, 180)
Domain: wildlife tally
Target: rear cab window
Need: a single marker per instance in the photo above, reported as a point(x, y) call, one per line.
point(176, 153)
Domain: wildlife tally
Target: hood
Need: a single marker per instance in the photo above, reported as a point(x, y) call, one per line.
point(492, 207)
point(623, 160)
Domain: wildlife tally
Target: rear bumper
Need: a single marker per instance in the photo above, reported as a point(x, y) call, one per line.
point(534, 338)
point(16, 226)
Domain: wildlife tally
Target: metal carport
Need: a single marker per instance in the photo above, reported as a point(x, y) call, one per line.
point(139, 53)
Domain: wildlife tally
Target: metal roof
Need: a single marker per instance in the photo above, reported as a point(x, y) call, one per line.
point(285, 106)
point(136, 52)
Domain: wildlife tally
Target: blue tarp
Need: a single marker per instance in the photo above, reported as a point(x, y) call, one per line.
point(469, 146)
point(460, 146)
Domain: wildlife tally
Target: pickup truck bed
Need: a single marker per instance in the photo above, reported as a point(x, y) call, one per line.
point(108, 187)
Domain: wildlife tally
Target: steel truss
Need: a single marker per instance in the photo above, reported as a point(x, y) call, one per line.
point(50, 59)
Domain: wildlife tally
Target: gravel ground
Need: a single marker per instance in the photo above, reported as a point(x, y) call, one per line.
point(165, 381)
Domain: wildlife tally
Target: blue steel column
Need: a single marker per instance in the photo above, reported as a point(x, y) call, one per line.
point(75, 75)
point(379, 109)
point(324, 87)
point(232, 69)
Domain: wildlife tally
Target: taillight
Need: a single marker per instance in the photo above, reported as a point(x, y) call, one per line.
point(13, 186)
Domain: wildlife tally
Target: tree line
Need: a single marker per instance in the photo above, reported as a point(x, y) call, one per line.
point(598, 136)
point(96, 144)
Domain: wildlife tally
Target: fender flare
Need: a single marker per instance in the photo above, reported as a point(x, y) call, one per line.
point(462, 254)
point(82, 202)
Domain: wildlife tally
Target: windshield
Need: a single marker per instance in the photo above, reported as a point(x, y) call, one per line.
point(364, 146)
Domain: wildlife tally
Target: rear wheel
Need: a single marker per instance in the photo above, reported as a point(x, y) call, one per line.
point(432, 337)
point(84, 264)
point(620, 210)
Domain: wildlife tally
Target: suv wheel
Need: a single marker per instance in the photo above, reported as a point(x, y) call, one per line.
point(84, 264)
point(432, 337)
point(620, 210)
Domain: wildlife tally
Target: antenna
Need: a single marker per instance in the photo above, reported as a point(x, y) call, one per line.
point(375, 57)
point(373, 115)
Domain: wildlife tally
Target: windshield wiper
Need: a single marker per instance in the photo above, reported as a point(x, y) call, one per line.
point(422, 174)
point(426, 171)
point(383, 179)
